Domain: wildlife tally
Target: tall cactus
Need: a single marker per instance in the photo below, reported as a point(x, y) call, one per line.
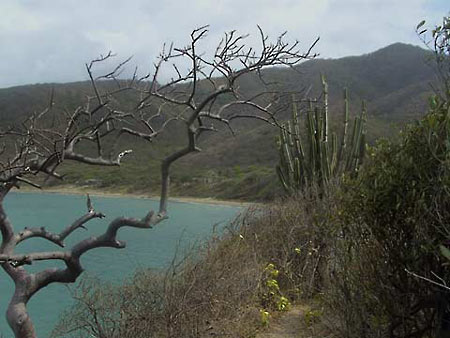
point(322, 159)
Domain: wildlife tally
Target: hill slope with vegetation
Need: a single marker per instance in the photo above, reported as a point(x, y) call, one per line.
point(394, 81)
point(366, 255)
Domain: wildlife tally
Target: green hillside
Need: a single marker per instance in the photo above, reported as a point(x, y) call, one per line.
point(394, 81)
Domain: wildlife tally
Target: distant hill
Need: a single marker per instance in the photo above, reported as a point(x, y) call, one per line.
point(394, 81)
point(391, 72)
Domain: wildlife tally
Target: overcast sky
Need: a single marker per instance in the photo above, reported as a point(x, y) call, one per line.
point(50, 40)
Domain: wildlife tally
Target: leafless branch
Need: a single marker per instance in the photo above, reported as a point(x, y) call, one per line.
point(200, 97)
point(440, 283)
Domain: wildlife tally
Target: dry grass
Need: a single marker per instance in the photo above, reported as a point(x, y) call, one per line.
point(218, 290)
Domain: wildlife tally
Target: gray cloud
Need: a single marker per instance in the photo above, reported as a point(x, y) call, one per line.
point(50, 40)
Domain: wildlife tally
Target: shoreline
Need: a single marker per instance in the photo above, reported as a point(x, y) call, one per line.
point(73, 190)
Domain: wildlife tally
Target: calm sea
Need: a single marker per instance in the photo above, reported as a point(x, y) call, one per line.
point(188, 223)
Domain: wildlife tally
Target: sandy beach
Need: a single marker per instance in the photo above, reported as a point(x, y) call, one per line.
point(74, 190)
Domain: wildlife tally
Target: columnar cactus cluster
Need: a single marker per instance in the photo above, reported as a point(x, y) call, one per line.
point(316, 158)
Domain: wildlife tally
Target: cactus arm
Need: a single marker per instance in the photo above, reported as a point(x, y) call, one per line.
point(325, 109)
point(362, 150)
point(322, 158)
point(344, 129)
point(282, 179)
point(349, 153)
point(334, 156)
point(289, 134)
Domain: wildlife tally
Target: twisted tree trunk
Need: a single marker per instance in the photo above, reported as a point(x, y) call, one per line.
point(17, 315)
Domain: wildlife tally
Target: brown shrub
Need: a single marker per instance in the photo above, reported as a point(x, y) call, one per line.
point(218, 288)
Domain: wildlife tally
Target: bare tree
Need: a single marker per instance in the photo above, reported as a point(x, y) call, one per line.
point(437, 40)
point(200, 99)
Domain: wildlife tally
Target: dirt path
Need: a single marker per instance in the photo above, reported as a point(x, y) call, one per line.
point(288, 325)
point(292, 325)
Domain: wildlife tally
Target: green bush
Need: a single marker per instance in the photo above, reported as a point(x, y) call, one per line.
point(394, 217)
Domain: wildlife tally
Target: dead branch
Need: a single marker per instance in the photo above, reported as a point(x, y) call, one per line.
point(201, 98)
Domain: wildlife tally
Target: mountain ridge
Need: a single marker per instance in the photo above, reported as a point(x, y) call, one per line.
point(394, 81)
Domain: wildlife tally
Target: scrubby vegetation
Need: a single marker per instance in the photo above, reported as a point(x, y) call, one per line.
point(354, 254)
point(232, 286)
point(368, 255)
point(392, 221)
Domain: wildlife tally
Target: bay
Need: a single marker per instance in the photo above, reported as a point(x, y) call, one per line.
point(188, 223)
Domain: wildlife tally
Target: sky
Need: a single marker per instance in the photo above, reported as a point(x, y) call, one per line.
point(51, 40)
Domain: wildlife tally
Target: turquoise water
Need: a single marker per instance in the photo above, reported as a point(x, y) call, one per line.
point(188, 223)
